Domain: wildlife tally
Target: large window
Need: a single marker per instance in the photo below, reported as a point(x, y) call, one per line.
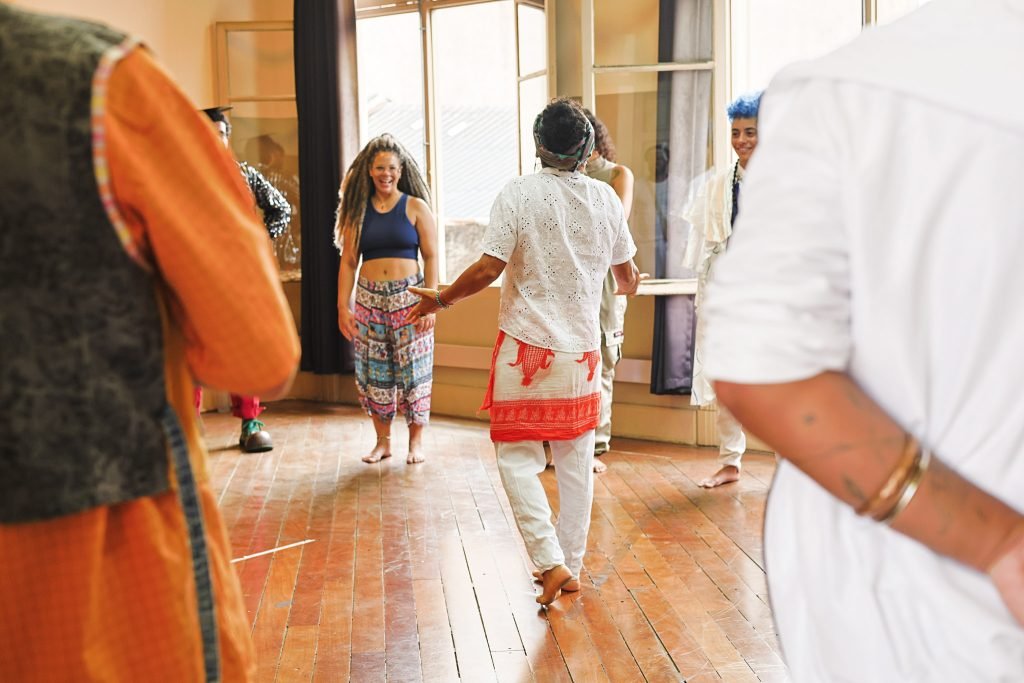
point(475, 108)
point(459, 85)
point(459, 82)
point(391, 80)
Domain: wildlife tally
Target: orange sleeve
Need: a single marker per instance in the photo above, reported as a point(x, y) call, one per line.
point(187, 206)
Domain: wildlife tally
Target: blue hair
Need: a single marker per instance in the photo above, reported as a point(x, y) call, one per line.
point(745, 106)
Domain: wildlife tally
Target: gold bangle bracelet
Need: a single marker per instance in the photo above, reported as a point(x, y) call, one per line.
point(913, 484)
point(882, 501)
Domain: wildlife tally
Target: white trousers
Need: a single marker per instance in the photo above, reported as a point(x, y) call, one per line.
point(733, 442)
point(610, 356)
point(520, 463)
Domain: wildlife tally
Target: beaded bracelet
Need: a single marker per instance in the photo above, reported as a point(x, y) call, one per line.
point(437, 299)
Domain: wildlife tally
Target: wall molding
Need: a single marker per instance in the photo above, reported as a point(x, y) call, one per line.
point(633, 370)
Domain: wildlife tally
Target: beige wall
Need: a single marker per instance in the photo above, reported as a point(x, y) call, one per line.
point(180, 32)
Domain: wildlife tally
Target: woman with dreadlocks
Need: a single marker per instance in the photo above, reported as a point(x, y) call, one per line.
point(554, 234)
point(385, 223)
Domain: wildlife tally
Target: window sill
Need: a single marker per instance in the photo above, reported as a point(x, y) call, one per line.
point(667, 287)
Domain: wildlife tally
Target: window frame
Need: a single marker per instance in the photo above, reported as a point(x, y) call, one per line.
point(718, 65)
point(366, 9)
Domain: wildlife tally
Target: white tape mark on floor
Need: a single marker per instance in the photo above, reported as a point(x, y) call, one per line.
point(273, 550)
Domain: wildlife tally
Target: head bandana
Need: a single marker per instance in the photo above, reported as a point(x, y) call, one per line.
point(574, 158)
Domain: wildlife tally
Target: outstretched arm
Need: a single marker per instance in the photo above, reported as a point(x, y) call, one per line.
point(829, 428)
point(479, 275)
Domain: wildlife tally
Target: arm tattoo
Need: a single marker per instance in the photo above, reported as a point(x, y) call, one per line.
point(853, 490)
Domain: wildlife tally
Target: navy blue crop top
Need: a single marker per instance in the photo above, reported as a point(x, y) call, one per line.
point(388, 235)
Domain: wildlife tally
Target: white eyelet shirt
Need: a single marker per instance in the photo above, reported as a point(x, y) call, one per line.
point(559, 232)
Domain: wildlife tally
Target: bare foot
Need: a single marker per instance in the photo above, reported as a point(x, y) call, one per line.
point(726, 475)
point(380, 451)
point(415, 443)
point(552, 581)
point(599, 467)
point(570, 586)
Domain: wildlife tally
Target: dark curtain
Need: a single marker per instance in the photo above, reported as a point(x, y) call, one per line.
point(325, 97)
point(684, 109)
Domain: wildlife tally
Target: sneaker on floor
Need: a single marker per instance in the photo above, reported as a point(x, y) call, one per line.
point(254, 438)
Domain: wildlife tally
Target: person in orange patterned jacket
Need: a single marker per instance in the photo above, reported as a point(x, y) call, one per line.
point(113, 296)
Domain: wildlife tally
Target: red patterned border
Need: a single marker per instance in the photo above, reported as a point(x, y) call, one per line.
point(553, 419)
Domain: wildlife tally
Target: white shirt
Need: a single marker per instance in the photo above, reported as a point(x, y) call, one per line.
point(882, 234)
point(559, 232)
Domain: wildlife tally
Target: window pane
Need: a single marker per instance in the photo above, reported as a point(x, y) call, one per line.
point(390, 56)
point(627, 32)
point(533, 40)
point(260, 63)
point(265, 134)
point(475, 103)
point(767, 36)
point(890, 10)
point(533, 97)
point(660, 126)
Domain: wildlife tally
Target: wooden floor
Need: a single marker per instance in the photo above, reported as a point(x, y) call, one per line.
point(417, 573)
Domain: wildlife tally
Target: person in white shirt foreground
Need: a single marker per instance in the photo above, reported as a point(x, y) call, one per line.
point(554, 235)
point(878, 260)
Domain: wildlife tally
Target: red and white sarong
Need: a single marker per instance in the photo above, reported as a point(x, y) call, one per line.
point(537, 394)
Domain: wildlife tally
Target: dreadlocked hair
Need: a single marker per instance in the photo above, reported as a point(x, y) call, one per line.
point(357, 187)
point(602, 138)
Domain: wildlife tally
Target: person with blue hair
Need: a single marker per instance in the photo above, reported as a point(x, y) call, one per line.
point(745, 106)
point(711, 214)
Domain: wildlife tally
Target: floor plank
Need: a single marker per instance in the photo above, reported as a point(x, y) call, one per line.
point(417, 572)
